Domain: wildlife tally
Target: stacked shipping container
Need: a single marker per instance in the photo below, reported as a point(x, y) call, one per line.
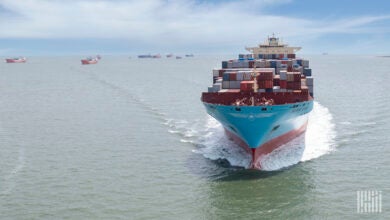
point(267, 73)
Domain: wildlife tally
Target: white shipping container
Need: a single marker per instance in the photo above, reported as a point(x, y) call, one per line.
point(283, 90)
point(240, 75)
point(309, 81)
point(219, 81)
point(276, 87)
point(230, 65)
point(283, 74)
point(261, 90)
point(223, 90)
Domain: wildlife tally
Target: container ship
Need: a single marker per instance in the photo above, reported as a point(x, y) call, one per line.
point(16, 60)
point(90, 60)
point(263, 98)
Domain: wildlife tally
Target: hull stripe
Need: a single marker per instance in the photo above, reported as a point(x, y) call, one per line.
point(267, 147)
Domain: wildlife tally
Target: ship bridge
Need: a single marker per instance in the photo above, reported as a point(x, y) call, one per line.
point(272, 45)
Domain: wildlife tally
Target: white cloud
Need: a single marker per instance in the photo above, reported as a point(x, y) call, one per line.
point(164, 21)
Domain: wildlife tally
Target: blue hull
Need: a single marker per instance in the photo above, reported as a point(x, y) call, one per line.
point(256, 125)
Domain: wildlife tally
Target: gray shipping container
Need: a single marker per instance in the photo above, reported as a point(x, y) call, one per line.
point(305, 63)
point(309, 81)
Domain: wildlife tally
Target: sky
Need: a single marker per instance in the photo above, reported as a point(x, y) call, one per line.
point(58, 27)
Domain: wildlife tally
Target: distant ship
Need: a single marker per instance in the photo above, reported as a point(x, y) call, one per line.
point(262, 99)
point(16, 60)
point(156, 56)
point(145, 56)
point(178, 57)
point(90, 60)
point(169, 55)
point(189, 55)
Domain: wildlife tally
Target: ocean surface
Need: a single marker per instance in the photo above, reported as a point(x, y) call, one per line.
point(130, 139)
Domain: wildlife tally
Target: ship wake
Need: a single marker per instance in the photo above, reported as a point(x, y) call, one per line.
point(318, 141)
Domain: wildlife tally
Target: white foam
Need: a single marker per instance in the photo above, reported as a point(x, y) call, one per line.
point(320, 133)
point(215, 145)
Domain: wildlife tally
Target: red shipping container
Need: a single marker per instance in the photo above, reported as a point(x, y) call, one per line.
point(233, 76)
point(283, 84)
point(291, 55)
point(281, 56)
point(265, 76)
point(247, 86)
point(265, 84)
point(284, 61)
point(269, 84)
point(297, 76)
point(294, 85)
point(304, 90)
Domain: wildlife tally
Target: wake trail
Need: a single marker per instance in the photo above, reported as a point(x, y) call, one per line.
point(9, 181)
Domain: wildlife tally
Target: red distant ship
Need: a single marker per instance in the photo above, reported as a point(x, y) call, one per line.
point(90, 60)
point(16, 60)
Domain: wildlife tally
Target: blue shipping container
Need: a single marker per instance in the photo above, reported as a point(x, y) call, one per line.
point(224, 64)
point(307, 71)
point(226, 76)
point(273, 64)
